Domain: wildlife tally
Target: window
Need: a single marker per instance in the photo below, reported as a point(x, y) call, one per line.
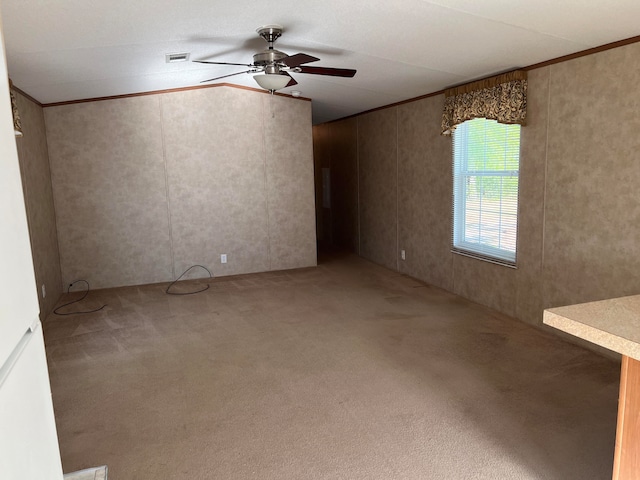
point(486, 163)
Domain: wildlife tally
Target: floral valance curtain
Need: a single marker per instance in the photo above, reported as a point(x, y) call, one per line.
point(502, 98)
point(17, 123)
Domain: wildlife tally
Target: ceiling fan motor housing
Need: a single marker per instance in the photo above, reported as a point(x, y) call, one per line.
point(268, 58)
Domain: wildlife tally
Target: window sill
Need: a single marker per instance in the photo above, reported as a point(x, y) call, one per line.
point(477, 256)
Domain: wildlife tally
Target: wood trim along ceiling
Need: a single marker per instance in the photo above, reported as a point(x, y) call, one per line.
point(546, 63)
point(25, 94)
point(170, 90)
point(582, 53)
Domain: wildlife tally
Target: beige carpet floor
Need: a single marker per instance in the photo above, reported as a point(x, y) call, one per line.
point(344, 371)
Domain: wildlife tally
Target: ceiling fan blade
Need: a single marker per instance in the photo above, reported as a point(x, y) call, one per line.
point(292, 82)
point(224, 63)
point(225, 76)
point(298, 59)
point(333, 72)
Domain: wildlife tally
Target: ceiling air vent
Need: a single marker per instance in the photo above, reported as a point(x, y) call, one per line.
point(176, 57)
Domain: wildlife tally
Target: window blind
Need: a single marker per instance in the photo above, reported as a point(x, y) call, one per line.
point(486, 164)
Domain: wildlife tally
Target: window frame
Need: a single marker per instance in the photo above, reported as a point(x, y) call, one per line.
point(461, 174)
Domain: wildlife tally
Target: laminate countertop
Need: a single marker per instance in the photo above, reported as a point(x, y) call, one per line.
point(612, 323)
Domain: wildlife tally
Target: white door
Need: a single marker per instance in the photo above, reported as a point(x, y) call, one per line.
point(18, 295)
point(28, 438)
point(28, 441)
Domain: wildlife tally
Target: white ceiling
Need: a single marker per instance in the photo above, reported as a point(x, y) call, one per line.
point(59, 50)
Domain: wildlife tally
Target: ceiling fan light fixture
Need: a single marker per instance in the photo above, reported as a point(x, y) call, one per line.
point(272, 81)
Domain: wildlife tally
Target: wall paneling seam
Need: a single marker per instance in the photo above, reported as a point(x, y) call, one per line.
point(53, 198)
point(451, 199)
point(397, 196)
point(544, 193)
point(266, 180)
point(53, 201)
point(166, 186)
point(358, 182)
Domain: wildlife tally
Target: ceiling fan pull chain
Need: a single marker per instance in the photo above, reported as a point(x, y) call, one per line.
point(273, 114)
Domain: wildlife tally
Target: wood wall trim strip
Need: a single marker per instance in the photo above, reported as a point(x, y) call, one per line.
point(391, 105)
point(170, 90)
point(584, 53)
point(26, 95)
point(565, 58)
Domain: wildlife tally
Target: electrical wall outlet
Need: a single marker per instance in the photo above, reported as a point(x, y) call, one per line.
point(44, 291)
point(403, 255)
point(223, 258)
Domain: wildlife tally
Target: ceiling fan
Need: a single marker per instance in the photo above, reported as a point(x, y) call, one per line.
point(276, 65)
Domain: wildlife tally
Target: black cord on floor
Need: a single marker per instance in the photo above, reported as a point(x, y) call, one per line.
point(86, 292)
point(183, 274)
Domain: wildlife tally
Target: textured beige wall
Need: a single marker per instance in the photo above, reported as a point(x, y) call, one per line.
point(578, 210)
point(424, 192)
point(592, 214)
point(147, 186)
point(215, 166)
point(36, 183)
point(528, 279)
point(288, 158)
point(108, 175)
point(378, 191)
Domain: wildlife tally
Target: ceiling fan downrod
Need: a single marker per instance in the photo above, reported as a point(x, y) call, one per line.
point(270, 33)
